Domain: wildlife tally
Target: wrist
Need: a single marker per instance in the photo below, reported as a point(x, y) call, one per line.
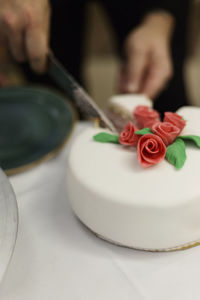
point(161, 21)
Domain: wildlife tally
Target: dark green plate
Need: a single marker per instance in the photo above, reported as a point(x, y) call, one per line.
point(34, 124)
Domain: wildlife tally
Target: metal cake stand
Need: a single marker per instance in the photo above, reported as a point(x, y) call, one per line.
point(8, 222)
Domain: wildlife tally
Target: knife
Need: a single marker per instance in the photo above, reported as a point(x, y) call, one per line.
point(72, 88)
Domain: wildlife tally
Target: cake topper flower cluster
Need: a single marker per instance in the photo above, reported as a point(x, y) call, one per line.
point(153, 138)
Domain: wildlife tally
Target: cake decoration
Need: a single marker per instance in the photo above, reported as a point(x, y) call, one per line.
point(157, 141)
point(150, 150)
point(128, 136)
point(167, 131)
point(176, 153)
point(145, 116)
point(175, 119)
point(104, 137)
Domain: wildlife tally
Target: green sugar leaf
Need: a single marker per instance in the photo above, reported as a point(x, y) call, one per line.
point(143, 131)
point(193, 138)
point(176, 154)
point(104, 137)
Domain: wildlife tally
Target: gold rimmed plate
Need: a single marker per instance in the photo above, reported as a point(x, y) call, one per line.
point(34, 125)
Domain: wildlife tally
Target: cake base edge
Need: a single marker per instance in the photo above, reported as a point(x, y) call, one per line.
point(171, 249)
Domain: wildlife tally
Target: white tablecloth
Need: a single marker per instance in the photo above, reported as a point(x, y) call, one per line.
point(57, 258)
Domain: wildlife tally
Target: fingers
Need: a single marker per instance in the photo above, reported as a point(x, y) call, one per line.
point(36, 47)
point(16, 44)
point(25, 29)
point(37, 42)
point(148, 64)
point(157, 78)
point(137, 61)
point(13, 35)
point(132, 73)
point(136, 54)
point(136, 67)
point(146, 75)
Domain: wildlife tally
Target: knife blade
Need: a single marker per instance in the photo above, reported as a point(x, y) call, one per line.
point(73, 89)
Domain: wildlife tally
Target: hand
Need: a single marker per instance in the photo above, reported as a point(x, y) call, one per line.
point(24, 28)
point(148, 67)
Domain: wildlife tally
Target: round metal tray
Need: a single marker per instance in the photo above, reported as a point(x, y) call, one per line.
point(8, 222)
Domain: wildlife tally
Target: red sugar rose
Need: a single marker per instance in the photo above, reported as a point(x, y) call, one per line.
point(144, 116)
point(128, 136)
point(150, 123)
point(175, 119)
point(151, 150)
point(167, 131)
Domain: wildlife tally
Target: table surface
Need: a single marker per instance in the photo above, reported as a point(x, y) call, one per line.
point(56, 257)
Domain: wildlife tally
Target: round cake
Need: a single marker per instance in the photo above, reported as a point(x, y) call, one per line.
point(155, 209)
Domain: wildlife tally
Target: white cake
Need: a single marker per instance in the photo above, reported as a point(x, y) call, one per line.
point(156, 209)
point(120, 108)
point(125, 104)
